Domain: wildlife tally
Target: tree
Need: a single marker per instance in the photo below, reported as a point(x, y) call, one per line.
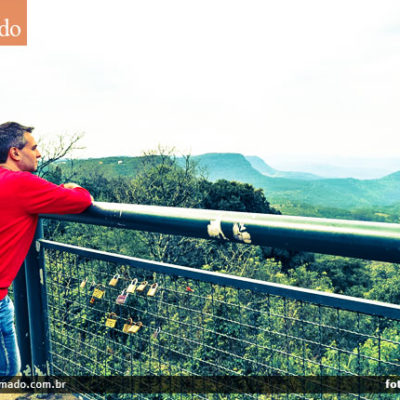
point(349, 276)
point(57, 148)
point(234, 196)
point(164, 180)
point(385, 282)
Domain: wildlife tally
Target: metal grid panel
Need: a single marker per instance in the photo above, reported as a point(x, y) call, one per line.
point(194, 327)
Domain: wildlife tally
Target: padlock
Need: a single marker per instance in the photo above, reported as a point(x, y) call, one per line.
point(127, 325)
point(111, 320)
point(83, 283)
point(114, 280)
point(132, 286)
point(121, 299)
point(142, 286)
point(92, 300)
point(98, 292)
point(135, 327)
point(152, 290)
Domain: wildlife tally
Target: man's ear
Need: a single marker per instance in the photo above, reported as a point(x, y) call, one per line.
point(14, 154)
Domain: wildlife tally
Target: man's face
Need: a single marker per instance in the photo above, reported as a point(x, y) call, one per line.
point(29, 154)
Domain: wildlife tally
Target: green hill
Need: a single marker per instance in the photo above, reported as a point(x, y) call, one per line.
point(230, 166)
point(109, 166)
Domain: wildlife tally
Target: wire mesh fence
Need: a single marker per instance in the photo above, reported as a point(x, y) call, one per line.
point(120, 317)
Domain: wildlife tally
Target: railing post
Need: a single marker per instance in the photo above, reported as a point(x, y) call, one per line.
point(22, 321)
point(37, 307)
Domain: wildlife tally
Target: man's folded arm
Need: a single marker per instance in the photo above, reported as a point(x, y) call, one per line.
point(38, 196)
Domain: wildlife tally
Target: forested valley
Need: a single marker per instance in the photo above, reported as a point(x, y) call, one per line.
point(161, 179)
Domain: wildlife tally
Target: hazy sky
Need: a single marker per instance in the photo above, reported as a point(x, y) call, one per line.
point(256, 77)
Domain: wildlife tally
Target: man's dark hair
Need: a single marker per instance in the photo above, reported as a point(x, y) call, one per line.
point(12, 135)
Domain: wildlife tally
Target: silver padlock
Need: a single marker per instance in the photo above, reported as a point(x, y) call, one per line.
point(121, 299)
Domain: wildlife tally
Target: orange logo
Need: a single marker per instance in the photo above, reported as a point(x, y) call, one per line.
point(13, 22)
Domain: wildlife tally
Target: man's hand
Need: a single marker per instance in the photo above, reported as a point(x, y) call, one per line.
point(71, 185)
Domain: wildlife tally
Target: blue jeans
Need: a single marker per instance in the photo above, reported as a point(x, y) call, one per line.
point(10, 361)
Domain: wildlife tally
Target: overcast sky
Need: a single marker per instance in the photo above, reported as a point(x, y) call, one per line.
point(255, 77)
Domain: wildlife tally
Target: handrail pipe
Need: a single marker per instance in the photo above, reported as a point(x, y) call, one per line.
point(360, 239)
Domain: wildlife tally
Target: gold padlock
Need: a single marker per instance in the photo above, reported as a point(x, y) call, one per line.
point(142, 286)
point(132, 286)
point(98, 292)
point(127, 325)
point(83, 283)
point(135, 327)
point(152, 290)
point(114, 280)
point(111, 320)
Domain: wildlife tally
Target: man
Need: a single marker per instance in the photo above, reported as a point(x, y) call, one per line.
point(22, 197)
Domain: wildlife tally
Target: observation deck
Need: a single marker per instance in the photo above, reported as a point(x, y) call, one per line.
point(198, 333)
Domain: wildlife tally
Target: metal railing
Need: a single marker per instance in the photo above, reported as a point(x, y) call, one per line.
point(202, 323)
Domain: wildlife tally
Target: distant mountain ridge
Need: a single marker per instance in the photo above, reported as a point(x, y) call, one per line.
point(347, 193)
point(295, 187)
point(260, 165)
point(336, 166)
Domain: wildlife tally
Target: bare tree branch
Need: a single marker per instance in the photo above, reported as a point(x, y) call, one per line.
point(56, 149)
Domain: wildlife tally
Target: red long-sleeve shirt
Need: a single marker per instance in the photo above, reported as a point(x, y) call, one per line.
point(22, 197)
